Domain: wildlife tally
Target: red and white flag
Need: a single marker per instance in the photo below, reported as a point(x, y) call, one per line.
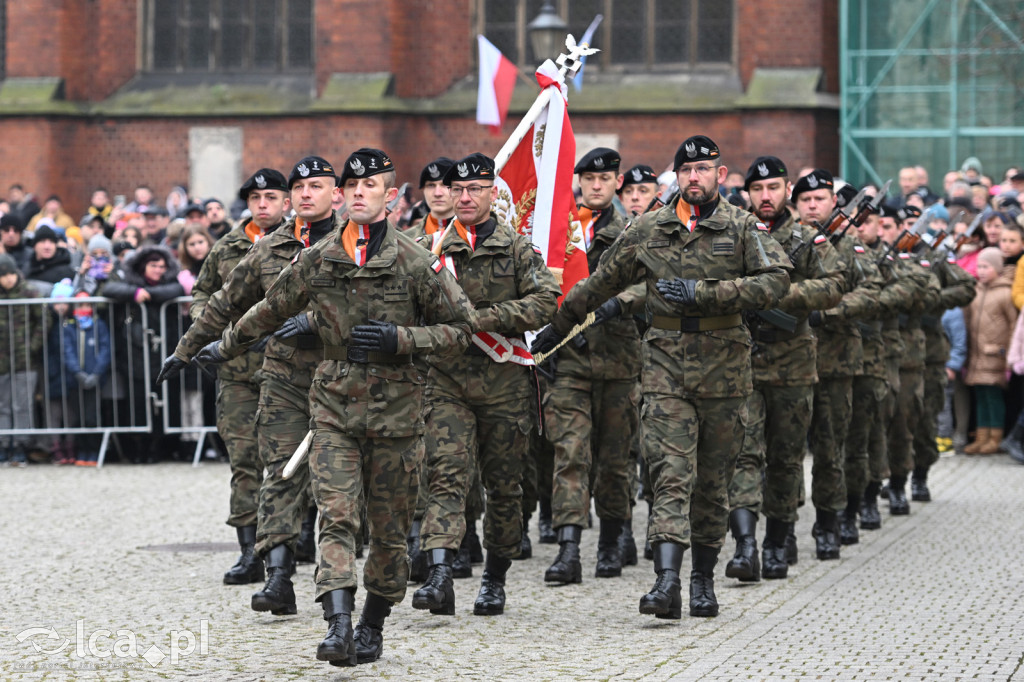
point(539, 178)
point(497, 81)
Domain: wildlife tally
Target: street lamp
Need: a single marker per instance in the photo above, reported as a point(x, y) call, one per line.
point(547, 30)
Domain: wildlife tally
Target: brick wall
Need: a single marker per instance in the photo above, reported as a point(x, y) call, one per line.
point(430, 49)
point(780, 33)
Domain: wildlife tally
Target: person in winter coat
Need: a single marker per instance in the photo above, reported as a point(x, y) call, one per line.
point(990, 318)
point(147, 279)
point(50, 263)
point(22, 332)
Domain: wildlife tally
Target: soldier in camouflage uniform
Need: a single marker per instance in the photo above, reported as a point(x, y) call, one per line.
point(840, 358)
point(703, 262)
point(479, 406)
point(591, 411)
point(291, 356)
point(639, 188)
point(783, 363)
point(909, 405)
point(369, 289)
point(238, 391)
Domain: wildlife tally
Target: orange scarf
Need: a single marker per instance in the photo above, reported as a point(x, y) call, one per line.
point(588, 217)
point(468, 234)
point(302, 231)
point(351, 235)
point(431, 226)
point(685, 213)
point(253, 231)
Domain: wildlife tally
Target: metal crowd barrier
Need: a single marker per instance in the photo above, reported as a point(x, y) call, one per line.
point(41, 387)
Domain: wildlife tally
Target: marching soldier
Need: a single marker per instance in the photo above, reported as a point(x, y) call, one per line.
point(591, 410)
point(479, 403)
point(703, 262)
point(291, 356)
point(638, 190)
point(438, 198)
point(783, 362)
point(368, 288)
point(266, 195)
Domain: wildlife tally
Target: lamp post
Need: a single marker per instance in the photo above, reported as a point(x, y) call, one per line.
point(547, 30)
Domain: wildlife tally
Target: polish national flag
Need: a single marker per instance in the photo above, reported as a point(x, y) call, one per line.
point(539, 176)
point(497, 81)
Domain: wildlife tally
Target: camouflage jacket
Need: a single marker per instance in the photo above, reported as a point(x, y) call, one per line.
point(222, 259)
point(381, 397)
point(957, 289)
point(781, 358)
point(927, 294)
point(245, 286)
point(840, 344)
point(738, 267)
point(22, 329)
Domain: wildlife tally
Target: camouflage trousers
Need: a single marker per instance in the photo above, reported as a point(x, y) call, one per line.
point(833, 409)
point(478, 413)
point(773, 451)
point(926, 451)
point(591, 423)
point(474, 496)
point(542, 452)
point(347, 473)
point(878, 440)
point(869, 394)
point(690, 447)
point(236, 423)
point(282, 422)
point(908, 410)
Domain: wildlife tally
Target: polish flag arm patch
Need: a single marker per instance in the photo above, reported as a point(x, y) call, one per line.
point(762, 226)
point(436, 266)
point(857, 248)
point(820, 239)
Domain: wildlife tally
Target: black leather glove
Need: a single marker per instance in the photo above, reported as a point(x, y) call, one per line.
point(210, 354)
point(172, 365)
point(549, 368)
point(378, 336)
point(609, 309)
point(547, 339)
point(294, 326)
point(681, 291)
point(90, 382)
point(815, 318)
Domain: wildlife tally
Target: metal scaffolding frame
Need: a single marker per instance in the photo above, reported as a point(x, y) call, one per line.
point(930, 82)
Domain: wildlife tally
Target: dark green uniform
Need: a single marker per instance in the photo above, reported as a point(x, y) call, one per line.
point(784, 376)
point(238, 390)
point(366, 407)
point(696, 373)
point(478, 408)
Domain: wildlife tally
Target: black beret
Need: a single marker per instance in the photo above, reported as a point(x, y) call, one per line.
point(888, 210)
point(435, 170)
point(908, 212)
point(638, 175)
point(696, 148)
point(598, 160)
point(365, 163)
point(816, 179)
point(312, 167)
point(264, 178)
point(763, 168)
point(476, 166)
point(845, 194)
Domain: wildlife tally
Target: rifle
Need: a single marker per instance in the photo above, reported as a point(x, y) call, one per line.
point(779, 318)
point(663, 199)
point(839, 215)
point(908, 239)
point(971, 229)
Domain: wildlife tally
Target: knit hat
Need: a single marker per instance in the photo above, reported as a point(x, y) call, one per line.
point(62, 289)
point(993, 256)
point(45, 233)
point(100, 242)
point(7, 265)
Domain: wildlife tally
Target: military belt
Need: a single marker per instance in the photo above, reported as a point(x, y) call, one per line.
point(770, 334)
point(696, 324)
point(363, 356)
point(303, 342)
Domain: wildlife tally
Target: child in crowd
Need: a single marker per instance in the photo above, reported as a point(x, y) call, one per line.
point(990, 318)
point(59, 381)
point(955, 414)
point(87, 361)
point(22, 331)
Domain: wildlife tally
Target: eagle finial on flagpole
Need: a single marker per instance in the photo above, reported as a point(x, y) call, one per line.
point(570, 63)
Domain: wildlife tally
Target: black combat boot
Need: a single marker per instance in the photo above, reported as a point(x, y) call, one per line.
point(547, 533)
point(773, 556)
point(627, 544)
point(339, 646)
point(278, 595)
point(744, 565)
point(462, 567)
point(567, 567)
point(525, 548)
point(791, 551)
point(870, 519)
point(417, 557)
point(369, 633)
point(648, 550)
point(476, 550)
point(248, 568)
point(305, 548)
point(919, 485)
point(898, 505)
point(826, 534)
point(848, 534)
point(703, 602)
point(491, 599)
point(438, 594)
point(609, 556)
point(665, 600)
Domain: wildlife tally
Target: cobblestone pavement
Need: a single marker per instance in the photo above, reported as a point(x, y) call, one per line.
point(932, 596)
